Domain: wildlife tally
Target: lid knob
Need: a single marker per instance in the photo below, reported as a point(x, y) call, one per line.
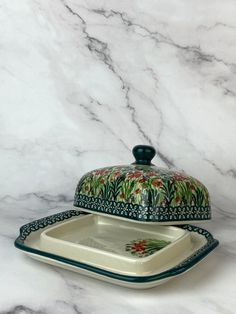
point(143, 154)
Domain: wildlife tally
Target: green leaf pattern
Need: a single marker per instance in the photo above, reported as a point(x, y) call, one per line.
point(144, 185)
point(145, 247)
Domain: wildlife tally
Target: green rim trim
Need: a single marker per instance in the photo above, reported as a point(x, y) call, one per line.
point(142, 213)
point(27, 229)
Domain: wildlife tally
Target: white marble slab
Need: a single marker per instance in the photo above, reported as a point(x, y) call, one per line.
point(82, 82)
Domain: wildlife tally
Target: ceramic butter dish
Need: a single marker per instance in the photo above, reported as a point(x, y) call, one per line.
point(130, 225)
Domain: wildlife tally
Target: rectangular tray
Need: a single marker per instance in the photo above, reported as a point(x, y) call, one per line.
point(29, 242)
point(119, 246)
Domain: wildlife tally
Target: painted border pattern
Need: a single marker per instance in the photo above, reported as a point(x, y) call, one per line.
point(26, 230)
point(142, 213)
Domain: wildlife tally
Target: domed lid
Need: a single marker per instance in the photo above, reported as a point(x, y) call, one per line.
point(143, 192)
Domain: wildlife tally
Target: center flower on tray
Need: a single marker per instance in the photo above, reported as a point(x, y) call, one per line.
point(145, 247)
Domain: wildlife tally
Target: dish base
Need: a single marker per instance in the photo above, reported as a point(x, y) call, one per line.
point(29, 242)
point(123, 247)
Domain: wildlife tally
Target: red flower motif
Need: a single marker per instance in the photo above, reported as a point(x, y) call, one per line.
point(130, 176)
point(135, 174)
point(137, 191)
point(100, 171)
point(179, 177)
point(138, 246)
point(157, 183)
point(116, 174)
point(151, 174)
point(141, 180)
point(178, 199)
point(122, 195)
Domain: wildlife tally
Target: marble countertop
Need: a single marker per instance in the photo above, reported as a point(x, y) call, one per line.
point(28, 286)
point(81, 83)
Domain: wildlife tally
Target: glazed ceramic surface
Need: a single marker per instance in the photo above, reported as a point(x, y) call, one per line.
point(143, 192)
point(123, 247)
point(29, 241)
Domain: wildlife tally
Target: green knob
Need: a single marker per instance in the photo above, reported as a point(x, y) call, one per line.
point(143, 154)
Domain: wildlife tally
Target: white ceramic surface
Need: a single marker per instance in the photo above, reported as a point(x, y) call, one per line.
point(81, 83)
point(96, 276)
point(101, 242)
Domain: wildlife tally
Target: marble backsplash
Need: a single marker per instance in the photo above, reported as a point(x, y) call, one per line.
point(82, 82)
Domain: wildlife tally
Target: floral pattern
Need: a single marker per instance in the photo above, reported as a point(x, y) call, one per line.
point(145, 186)
point(140, 185)
point(146, 247)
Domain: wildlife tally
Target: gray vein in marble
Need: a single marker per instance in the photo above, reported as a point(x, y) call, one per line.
point(45, 197)
point(156, 107)
point(20, 309)
point(51, 198)
point(164, 158)
point(94, 44)
point(199, 55)
point(215, 307)
point(154, 76)
point(192, 54)
point(72, 288)
point(223, 212)
point(229, 92)
point(217, 24)
point(77, 311)
point(69, 306)
point(69, 284)
point(102, 51)
point(126, 21)
point(221, 82)
point(229, 172)
point(94, 117)
point(8, 236)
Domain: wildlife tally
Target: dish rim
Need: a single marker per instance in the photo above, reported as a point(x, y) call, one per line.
point(180, 268)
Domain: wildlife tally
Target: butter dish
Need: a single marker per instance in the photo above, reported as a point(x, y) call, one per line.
point(131, 225)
